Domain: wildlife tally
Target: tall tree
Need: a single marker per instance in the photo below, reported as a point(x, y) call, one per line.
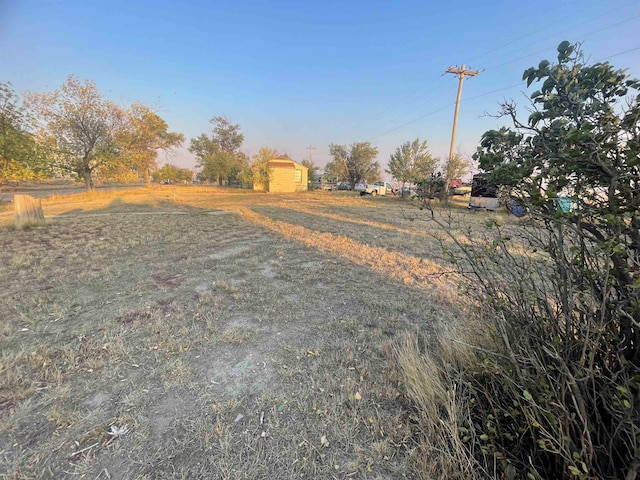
point(20, 155)
point(455, 167)
point(312, 169)
point(337, 168)
point(226, 135)
point(412, 162)
point(172, 173)
point(219, 154)
point(582, 141)
point(354, 164)
point(146, 134)
point(80, 124)
point(260, 171)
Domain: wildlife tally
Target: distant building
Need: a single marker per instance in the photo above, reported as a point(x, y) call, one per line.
point(287, 176)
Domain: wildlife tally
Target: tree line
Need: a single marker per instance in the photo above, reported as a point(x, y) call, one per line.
point(75, 131)
point(410, 163)
point(222, 160)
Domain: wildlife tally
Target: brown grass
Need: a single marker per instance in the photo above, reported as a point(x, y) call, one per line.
point(256, 343)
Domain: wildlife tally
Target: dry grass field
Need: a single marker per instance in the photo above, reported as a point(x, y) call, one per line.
point(190, 332)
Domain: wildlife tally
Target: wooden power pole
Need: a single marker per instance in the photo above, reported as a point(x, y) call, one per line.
point(461, 72)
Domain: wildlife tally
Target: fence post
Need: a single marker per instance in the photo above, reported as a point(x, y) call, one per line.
point(28, 210)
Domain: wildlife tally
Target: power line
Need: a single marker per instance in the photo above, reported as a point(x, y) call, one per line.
point(419, 105)
point(403, 101)
point(520, 83)
point(405, 98)
point(512, 61)
point(494, 91)
point(430, 92)
point(433, 112)
point(547, 25)
point(618, 54)
point(546, 49)
point(448, 105)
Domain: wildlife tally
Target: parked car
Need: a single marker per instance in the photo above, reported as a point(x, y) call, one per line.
point(409, 192)
point(378, 188)
point(461, 190)
point(344, 186)
point(360, 187)
point(455, 183)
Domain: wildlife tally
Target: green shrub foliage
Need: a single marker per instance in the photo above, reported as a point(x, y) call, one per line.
point(559, 398)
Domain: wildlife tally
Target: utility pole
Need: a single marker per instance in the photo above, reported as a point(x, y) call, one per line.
point(461, 72)
point(311, 149)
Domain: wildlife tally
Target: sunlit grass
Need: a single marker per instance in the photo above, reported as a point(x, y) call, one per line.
point(410, 270)
point(199, 332)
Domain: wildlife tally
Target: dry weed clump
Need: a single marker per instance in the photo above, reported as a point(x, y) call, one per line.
point(430, 372)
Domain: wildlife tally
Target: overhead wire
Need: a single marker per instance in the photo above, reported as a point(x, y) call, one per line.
point(545, 50)
point(421, 104)
point(439, 85)
point(405, 99)
point(508, 87)
point(547, 25)
point(483, 95)
point(609, 57)
point(443, 107)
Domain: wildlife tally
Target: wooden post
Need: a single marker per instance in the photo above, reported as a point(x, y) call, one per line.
point(461, 72)
point(28, 210)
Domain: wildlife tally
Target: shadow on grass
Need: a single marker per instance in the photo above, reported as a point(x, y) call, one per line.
point(120, 206)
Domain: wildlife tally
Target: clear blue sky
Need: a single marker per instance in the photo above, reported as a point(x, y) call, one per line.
point(300, 73)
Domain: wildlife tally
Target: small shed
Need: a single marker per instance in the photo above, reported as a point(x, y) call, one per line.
point(287, 176)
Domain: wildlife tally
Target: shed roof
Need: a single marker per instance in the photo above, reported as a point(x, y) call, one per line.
point(281, 164)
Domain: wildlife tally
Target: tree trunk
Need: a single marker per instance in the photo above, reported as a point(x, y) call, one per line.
point(28, 211)
point(88, 179)
point(147, 177)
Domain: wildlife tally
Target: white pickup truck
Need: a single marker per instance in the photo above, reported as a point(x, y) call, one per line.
point(378, 188)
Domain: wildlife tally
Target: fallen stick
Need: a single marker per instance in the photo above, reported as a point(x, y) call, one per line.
point(84, 449)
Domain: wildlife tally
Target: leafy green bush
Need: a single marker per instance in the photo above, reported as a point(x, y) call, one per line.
point(556, 393)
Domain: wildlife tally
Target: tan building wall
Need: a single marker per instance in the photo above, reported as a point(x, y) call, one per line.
point(282, 176)
point(301, 177)
point(287, 176)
